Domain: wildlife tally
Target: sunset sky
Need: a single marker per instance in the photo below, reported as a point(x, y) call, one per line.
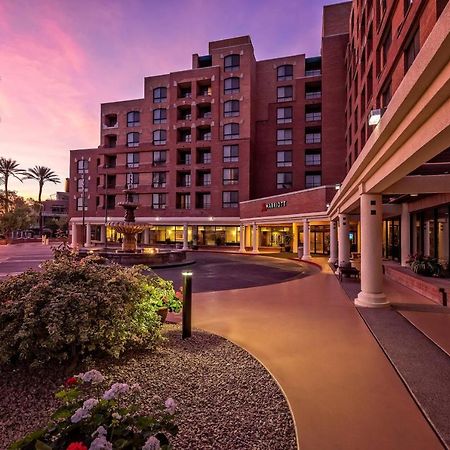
point(59, 59)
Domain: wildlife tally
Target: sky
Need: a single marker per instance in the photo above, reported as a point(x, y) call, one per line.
point(59, 59)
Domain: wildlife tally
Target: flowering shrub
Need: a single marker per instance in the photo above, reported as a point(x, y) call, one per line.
point(163, 295)
point(102, 421)
point(72, 308)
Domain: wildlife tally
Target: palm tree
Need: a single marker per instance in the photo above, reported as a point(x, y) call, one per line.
point(42, 175)
point(9, 168)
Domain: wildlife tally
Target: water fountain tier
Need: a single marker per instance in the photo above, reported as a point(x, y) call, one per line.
point(128, 228)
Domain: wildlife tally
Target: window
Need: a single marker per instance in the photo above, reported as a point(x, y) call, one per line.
point(231, 153)
point(284, 115)
point(312, 159)
point(132, 160)
point(284, 93)
point(184, 179)
point(183, 201)
point(160, 115)
point(184, 157)
point(110, 201)
point(110, 161)
point(284, 136)
point(204, 179)
point(133, 119)
point(81, 185)
point(159, 157)
point(231, 108)
point(204, 156)
point(110, 140)
point(285, 72)
point(310, 95)
point(203, 200)
point(231, 85)
point(184, 135)
point(231, 176)
point(81, 204)
point(386, 94)
point(313, 113)
point(133, 139)
point(231, 62)
point(82, 165)
point(312, 180)
point(284, 158)
point(158, 201)
point(132, 180)
point(204, 134)
point(159, 180)
point(284, 180)
point(230, 199)
point(412, 50)
point(386, 45)
point(159, 137)
point(313, 138)
point(111, 121)
point(159, 95)
point(231, 131)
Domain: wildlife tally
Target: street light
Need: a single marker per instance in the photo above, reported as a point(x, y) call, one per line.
point(187, 304)
point(375, 116)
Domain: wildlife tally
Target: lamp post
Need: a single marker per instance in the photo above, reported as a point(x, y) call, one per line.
point(187, 304)
point(106, 208)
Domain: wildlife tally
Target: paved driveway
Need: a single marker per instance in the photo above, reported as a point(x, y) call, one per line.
point(17, 258)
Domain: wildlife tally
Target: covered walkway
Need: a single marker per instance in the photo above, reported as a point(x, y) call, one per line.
point(342, 390)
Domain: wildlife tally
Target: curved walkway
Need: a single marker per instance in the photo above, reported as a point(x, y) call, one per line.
point(342, 390)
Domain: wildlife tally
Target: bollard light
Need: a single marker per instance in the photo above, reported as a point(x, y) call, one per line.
point(187, 304)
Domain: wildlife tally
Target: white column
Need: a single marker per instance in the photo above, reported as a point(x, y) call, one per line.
point(74, 235)
point(103, 234)
point(88, 235)
point(358, 237)
point(426, 239)
point(242, 238)
point(185, 236)
point(371, 294)
point(255, 239)
point(405, 233)
point(344, 241)
point(306, 254)
point(294, 238)
point(146, 236)
point(333, 242)
point(443, 241)
point(414, 234)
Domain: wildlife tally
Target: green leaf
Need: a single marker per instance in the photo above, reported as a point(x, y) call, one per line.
point(42, 446)
point(62, 413)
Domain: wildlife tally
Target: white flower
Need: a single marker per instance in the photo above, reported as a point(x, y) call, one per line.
point(116, 416)
point(101, 431)
point(116, 390)
point(80, 414)
point(100, 443)
point(152, 443)
point(90, 403)
point(93, 376)
point(170, 405)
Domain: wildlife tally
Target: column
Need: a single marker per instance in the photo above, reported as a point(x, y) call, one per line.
point(74, 235)
point(426, 239)
point(103, 234)
point(88, 235)
point(185, 236)
point(255, 239)
point(414, 234)
point(294, 238)
point(248, 233)
point(146, 236)
point(344, 241)
point(242, 238)
point(405, 233)
point(333, 243)
point(443, 241)
point(371, 294)
point(358, 237)
point(306, 254)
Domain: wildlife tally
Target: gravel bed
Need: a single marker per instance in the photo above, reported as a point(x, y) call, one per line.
point(226, 399)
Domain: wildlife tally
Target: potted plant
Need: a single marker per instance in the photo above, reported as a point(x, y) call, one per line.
point(163, 296)
point(425, 265)
point(195, 242)
point(287, 239)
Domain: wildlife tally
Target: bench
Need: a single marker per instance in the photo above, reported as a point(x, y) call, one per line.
point(348, 271)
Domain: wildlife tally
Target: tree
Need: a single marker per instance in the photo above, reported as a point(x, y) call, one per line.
point(21, 215)
point(9, 168)
point(42, 175)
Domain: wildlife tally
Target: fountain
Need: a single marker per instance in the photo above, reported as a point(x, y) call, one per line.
point(130, 254)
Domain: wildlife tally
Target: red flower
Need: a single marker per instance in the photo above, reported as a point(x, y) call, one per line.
point(71, 381)
point(77, 446)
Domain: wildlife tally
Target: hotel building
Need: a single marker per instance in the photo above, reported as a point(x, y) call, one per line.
point(344, 152)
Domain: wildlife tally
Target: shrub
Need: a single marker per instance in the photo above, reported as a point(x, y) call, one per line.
point(425, 265)
point(105, 420)
point(73, 308)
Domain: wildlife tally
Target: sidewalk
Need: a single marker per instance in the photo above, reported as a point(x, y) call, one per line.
point(343, 392)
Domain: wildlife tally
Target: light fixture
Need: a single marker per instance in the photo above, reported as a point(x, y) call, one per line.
point(211, 219)
point(414, 195)
point(375, 116)
point(337, 186)
point(327, 205)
